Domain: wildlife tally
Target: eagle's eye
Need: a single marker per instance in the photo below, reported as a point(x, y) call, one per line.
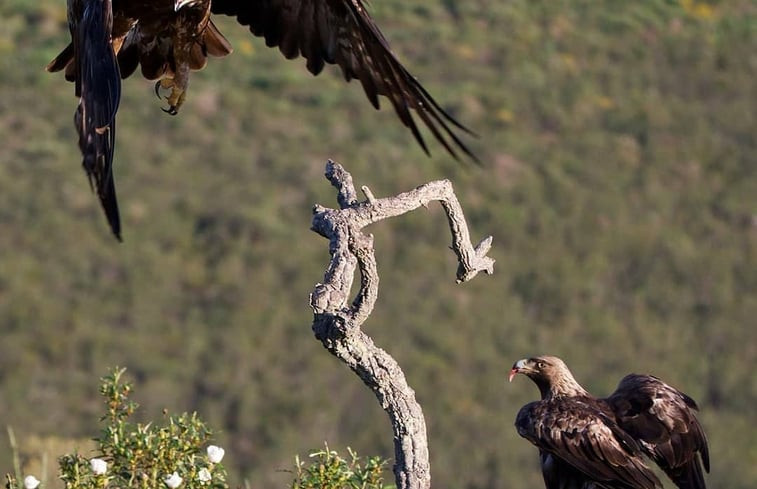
point(540, 364)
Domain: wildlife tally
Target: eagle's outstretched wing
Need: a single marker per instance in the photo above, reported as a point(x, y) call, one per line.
point(581, 435)
point(662, 419)
point(98, 86)
point(341, 32)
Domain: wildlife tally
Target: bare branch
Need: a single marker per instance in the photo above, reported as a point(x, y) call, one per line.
point(337, 325)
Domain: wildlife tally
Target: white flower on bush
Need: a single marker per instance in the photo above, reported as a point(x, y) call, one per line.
point(215, 454)
point(204, 475)
point(30, 482)
point(173, 481)
point(99, 466)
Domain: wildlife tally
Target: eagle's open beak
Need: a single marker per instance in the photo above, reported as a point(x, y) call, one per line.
point(513, 373)
point(517, 368)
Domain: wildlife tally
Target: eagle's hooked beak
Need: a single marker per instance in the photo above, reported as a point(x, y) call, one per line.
point(517, 367)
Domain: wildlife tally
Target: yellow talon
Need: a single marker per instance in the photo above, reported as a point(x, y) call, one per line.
point(175, 99)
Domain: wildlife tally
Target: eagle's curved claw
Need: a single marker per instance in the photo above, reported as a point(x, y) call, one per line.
point(172, 110)
point(157, 89)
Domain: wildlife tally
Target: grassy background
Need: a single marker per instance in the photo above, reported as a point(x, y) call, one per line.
point(619, 182)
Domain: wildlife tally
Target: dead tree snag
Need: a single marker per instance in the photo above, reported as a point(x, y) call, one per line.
point(336, 322)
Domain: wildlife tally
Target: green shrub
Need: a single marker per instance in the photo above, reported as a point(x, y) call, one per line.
point(177, 455)
point(327, 470)
point(141, 456)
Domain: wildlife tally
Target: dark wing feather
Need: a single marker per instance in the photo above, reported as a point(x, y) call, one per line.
point(98, 84)
point(663, 419)
point(128, 56)
point(62, 60)
point(580, 435)
point(341, 32)
point(558, 474)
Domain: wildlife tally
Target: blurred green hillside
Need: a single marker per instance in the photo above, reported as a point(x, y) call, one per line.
point(619, 180)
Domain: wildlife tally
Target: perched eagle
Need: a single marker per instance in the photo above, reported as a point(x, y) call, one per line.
point(169, 38)
point(590, 443)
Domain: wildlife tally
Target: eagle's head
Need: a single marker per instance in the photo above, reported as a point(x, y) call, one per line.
point(537, 367)
point(180, 4)
point(549, 373)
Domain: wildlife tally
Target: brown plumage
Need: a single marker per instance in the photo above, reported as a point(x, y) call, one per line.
point(587, 443)
point(169, 38)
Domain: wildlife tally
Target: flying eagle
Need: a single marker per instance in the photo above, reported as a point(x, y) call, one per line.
point(170, 38)
point(590, 443)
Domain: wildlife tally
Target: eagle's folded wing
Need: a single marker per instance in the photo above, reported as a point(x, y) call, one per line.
point(586, 439)
point(663, 419)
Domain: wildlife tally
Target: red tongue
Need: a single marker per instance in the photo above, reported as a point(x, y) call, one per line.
point(513, 373)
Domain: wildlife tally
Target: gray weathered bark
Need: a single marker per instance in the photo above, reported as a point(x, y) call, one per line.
point(337, 324)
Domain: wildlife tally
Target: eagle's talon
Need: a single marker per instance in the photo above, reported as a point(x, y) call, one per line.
point(164, 84)
point(172, 110)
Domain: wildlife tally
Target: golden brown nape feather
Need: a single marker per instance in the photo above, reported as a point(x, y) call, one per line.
point(550, 374)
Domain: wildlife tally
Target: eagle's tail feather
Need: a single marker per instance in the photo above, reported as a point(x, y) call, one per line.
point(687, 476)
